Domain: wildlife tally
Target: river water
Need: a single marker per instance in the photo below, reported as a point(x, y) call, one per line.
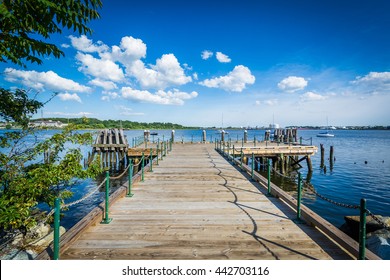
point(361, 170)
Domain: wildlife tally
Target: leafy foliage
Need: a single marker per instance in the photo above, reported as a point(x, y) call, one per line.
point(16, 106)
point(29, 180)
point(24, 25)
point(26, 180)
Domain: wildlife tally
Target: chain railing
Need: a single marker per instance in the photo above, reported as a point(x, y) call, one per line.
point(106, 220)
point(362, 207)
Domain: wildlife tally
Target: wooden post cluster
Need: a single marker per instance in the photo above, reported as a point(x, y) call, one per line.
point(204, 136)
point(289, 135)
point(111, 145)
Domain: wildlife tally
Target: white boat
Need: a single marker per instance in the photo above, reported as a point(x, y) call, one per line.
point(325, 134)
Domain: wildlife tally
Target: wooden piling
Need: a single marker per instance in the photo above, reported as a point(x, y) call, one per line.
point(331, 157)
point(322, 155)
point(309, 164)
point(204, 136)
point(111, 144)
point(173, 136)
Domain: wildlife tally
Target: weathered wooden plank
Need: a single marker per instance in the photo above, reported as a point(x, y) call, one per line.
point(109, 145)
point(311, 217)
point(137, 152)
point(200, 213)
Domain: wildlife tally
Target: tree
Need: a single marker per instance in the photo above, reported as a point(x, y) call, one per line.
point(24, 25)
point(26, 179)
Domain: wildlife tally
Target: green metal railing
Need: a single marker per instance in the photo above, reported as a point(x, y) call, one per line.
point(106, 219)
point(220, 147)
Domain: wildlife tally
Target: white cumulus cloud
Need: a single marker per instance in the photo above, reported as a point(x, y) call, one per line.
point(43, 80)
point(166, 72)
point(106, 85)
point(236, 80)
point(129, 50)
point(69, 97)
point(66, 114)
point(311, 96)
point(381, 77)
point(100, 68)
point(206, 54)
point(292, 84)
point(174, 97)
point(223, 58)
point(269, 102)
point(84, 44)
point(109, 95)
point(125, 64)
point(373, 83)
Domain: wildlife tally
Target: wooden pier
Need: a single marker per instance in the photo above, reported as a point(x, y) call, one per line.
point(284, 156)
point(111, 145)
point(198, 205)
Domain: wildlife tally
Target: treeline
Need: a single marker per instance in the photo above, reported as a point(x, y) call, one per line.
point(93, 123)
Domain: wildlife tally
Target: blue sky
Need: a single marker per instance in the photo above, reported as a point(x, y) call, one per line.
point(200, 62)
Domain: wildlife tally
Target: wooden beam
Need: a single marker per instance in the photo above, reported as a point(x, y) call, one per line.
point(311, 217)
point(109, 146)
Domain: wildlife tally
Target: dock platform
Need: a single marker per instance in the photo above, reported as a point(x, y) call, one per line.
point(198, 205)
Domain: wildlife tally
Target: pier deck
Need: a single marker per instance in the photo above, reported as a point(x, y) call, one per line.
point(196, 205)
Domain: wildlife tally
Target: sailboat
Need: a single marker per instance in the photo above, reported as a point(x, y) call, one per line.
point(222, 130)
point(325, 133)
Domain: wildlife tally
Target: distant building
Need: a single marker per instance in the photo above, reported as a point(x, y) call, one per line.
point(48, 124)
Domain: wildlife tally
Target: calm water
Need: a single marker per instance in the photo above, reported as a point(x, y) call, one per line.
point(350, 179)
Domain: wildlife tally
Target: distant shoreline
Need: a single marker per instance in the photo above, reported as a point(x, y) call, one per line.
point(208, 128)
point(96, 124)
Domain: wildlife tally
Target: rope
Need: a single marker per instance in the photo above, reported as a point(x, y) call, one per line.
point(74, 202)
point(85, 197)
point(135, 165)
point(121, 175)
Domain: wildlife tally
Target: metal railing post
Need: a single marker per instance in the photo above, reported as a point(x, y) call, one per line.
point(157, 154)
point(362, 230)
point(253, 166)
point(129, 194)
point(151, 160)
point(56, 232)
point(107, 220)
point(142, 166)
point(269, 176)
point(242, 157)
point(299, 196)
